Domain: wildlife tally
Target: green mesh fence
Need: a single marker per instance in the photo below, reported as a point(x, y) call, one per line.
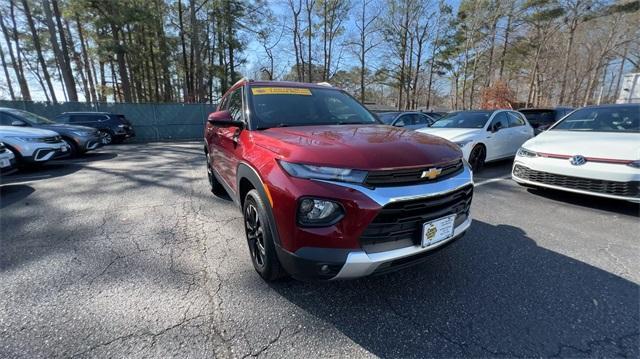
point(151, 121)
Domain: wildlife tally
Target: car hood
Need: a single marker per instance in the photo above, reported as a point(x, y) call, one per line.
point(61, 127)
point(25, 131)
point(365, 147)
point(452, 134)
point(624, 146)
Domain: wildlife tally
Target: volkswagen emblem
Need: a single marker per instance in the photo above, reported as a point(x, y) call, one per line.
point(577, 160)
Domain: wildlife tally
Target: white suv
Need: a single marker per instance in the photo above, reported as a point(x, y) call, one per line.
point(31, 145)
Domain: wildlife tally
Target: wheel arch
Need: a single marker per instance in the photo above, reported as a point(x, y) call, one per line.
point(249, 179)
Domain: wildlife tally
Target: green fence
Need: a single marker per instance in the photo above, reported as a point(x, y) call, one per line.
point(151, 121)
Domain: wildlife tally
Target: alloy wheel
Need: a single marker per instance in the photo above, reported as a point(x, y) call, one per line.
point(255, 235)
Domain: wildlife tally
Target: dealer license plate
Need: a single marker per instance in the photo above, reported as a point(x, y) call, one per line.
point(438, 230)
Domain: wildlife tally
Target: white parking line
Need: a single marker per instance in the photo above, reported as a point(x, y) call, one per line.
point(492, 180)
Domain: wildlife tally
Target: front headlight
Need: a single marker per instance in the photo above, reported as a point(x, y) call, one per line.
point(461, 144)
point(323, 173)
point(316, 212)
point(27, 139)
point(523, 152)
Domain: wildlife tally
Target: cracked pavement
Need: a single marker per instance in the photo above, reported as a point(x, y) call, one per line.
point(125, 253)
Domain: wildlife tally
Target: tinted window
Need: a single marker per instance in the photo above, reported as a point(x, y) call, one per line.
point(235, 105)
point(500, 121)
point(420, 120)
point(28, 117)
point(602, 119)
point(86, 118)
point(515, 120)
point(540, 117)
point(471, 119)
point(297, 106)
point(403, 120)
point(387, 117)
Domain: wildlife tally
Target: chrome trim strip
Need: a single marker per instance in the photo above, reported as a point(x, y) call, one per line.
point(386, 195)
point(360, 264)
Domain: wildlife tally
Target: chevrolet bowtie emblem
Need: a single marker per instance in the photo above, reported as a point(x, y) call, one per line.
point(432, 173)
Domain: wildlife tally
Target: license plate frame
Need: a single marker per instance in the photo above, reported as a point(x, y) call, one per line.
point(438, 230)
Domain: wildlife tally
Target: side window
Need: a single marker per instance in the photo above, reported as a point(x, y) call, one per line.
point(402, 121)
point(76, 118)
point(500, 121)
point(235, 105)
point(62, 119)
point(515, 120)
point(5, 120)
point(421, 120)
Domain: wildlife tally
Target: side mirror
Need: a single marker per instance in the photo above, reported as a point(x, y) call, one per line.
point(18, 123)
point(223, 118)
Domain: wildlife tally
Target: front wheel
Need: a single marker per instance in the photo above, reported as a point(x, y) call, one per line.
point(477, 157)
point(259, 234)
point(106, 136)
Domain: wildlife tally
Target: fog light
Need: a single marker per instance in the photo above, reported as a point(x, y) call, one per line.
point(314, 212)
point(324, 269)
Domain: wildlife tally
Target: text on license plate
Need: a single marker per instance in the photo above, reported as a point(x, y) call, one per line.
point(438, 230)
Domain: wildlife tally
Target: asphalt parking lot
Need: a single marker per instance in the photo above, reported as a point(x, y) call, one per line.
point(127, 254)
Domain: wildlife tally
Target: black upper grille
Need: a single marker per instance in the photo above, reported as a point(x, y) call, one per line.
point(52, 139)
point(412, 175)
point(400, 224)
point(625, 189)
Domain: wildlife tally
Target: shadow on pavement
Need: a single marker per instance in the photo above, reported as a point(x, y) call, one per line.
point(592, 202)
point(493, 293)
point(10, 194)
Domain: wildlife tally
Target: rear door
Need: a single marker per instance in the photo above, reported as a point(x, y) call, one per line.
point(519, 131)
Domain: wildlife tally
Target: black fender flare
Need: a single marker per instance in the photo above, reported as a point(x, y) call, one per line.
point(247, 172)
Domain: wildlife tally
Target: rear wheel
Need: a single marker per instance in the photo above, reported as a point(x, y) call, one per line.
point(259, 234)
point(477, 157)
point(106, 136)
point(216, 188)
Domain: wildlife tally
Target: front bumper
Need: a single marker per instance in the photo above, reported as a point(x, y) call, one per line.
point(596, 179)
point(11, 166)
point(345, 250)
point(88, 143)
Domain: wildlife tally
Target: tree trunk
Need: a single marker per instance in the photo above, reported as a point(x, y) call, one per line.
point(309, 5)
point(229, 20)
point(122, 65)
point(67, 73)
point(6, 74)
point(567, 56)
point(38, 48)
point(185, 61)
point(87, 63)
point(78, 62)
point(17, 59)
point(507, 32)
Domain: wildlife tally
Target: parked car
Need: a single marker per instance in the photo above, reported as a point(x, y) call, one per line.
point(542, 118)
point(7, 160)
point(33, 145)
point(326, 190)
point(594, 150)
point(113, 127)
point(434, 115)
point(483, 135)
point(79, 139)
point(410, 120)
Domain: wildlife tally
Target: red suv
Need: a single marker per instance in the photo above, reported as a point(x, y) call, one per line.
point(328, 191)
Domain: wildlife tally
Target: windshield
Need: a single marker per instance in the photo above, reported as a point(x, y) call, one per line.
point(388, 117)
point(539, 117)
point(602, 119)
point(296, 106)
point(463, 120)
point(32, 118)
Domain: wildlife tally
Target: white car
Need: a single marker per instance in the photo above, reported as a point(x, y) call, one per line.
point(483, 135)
point(32, 145)
point(7, 160)
point(594, 150)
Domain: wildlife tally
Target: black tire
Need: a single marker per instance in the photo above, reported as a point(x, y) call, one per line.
point(477, 157)
point(106, 136)
point(259, 235)
point(216, 187)
point(73, 148)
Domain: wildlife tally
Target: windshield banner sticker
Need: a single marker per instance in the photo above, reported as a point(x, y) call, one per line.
point(280, 91)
